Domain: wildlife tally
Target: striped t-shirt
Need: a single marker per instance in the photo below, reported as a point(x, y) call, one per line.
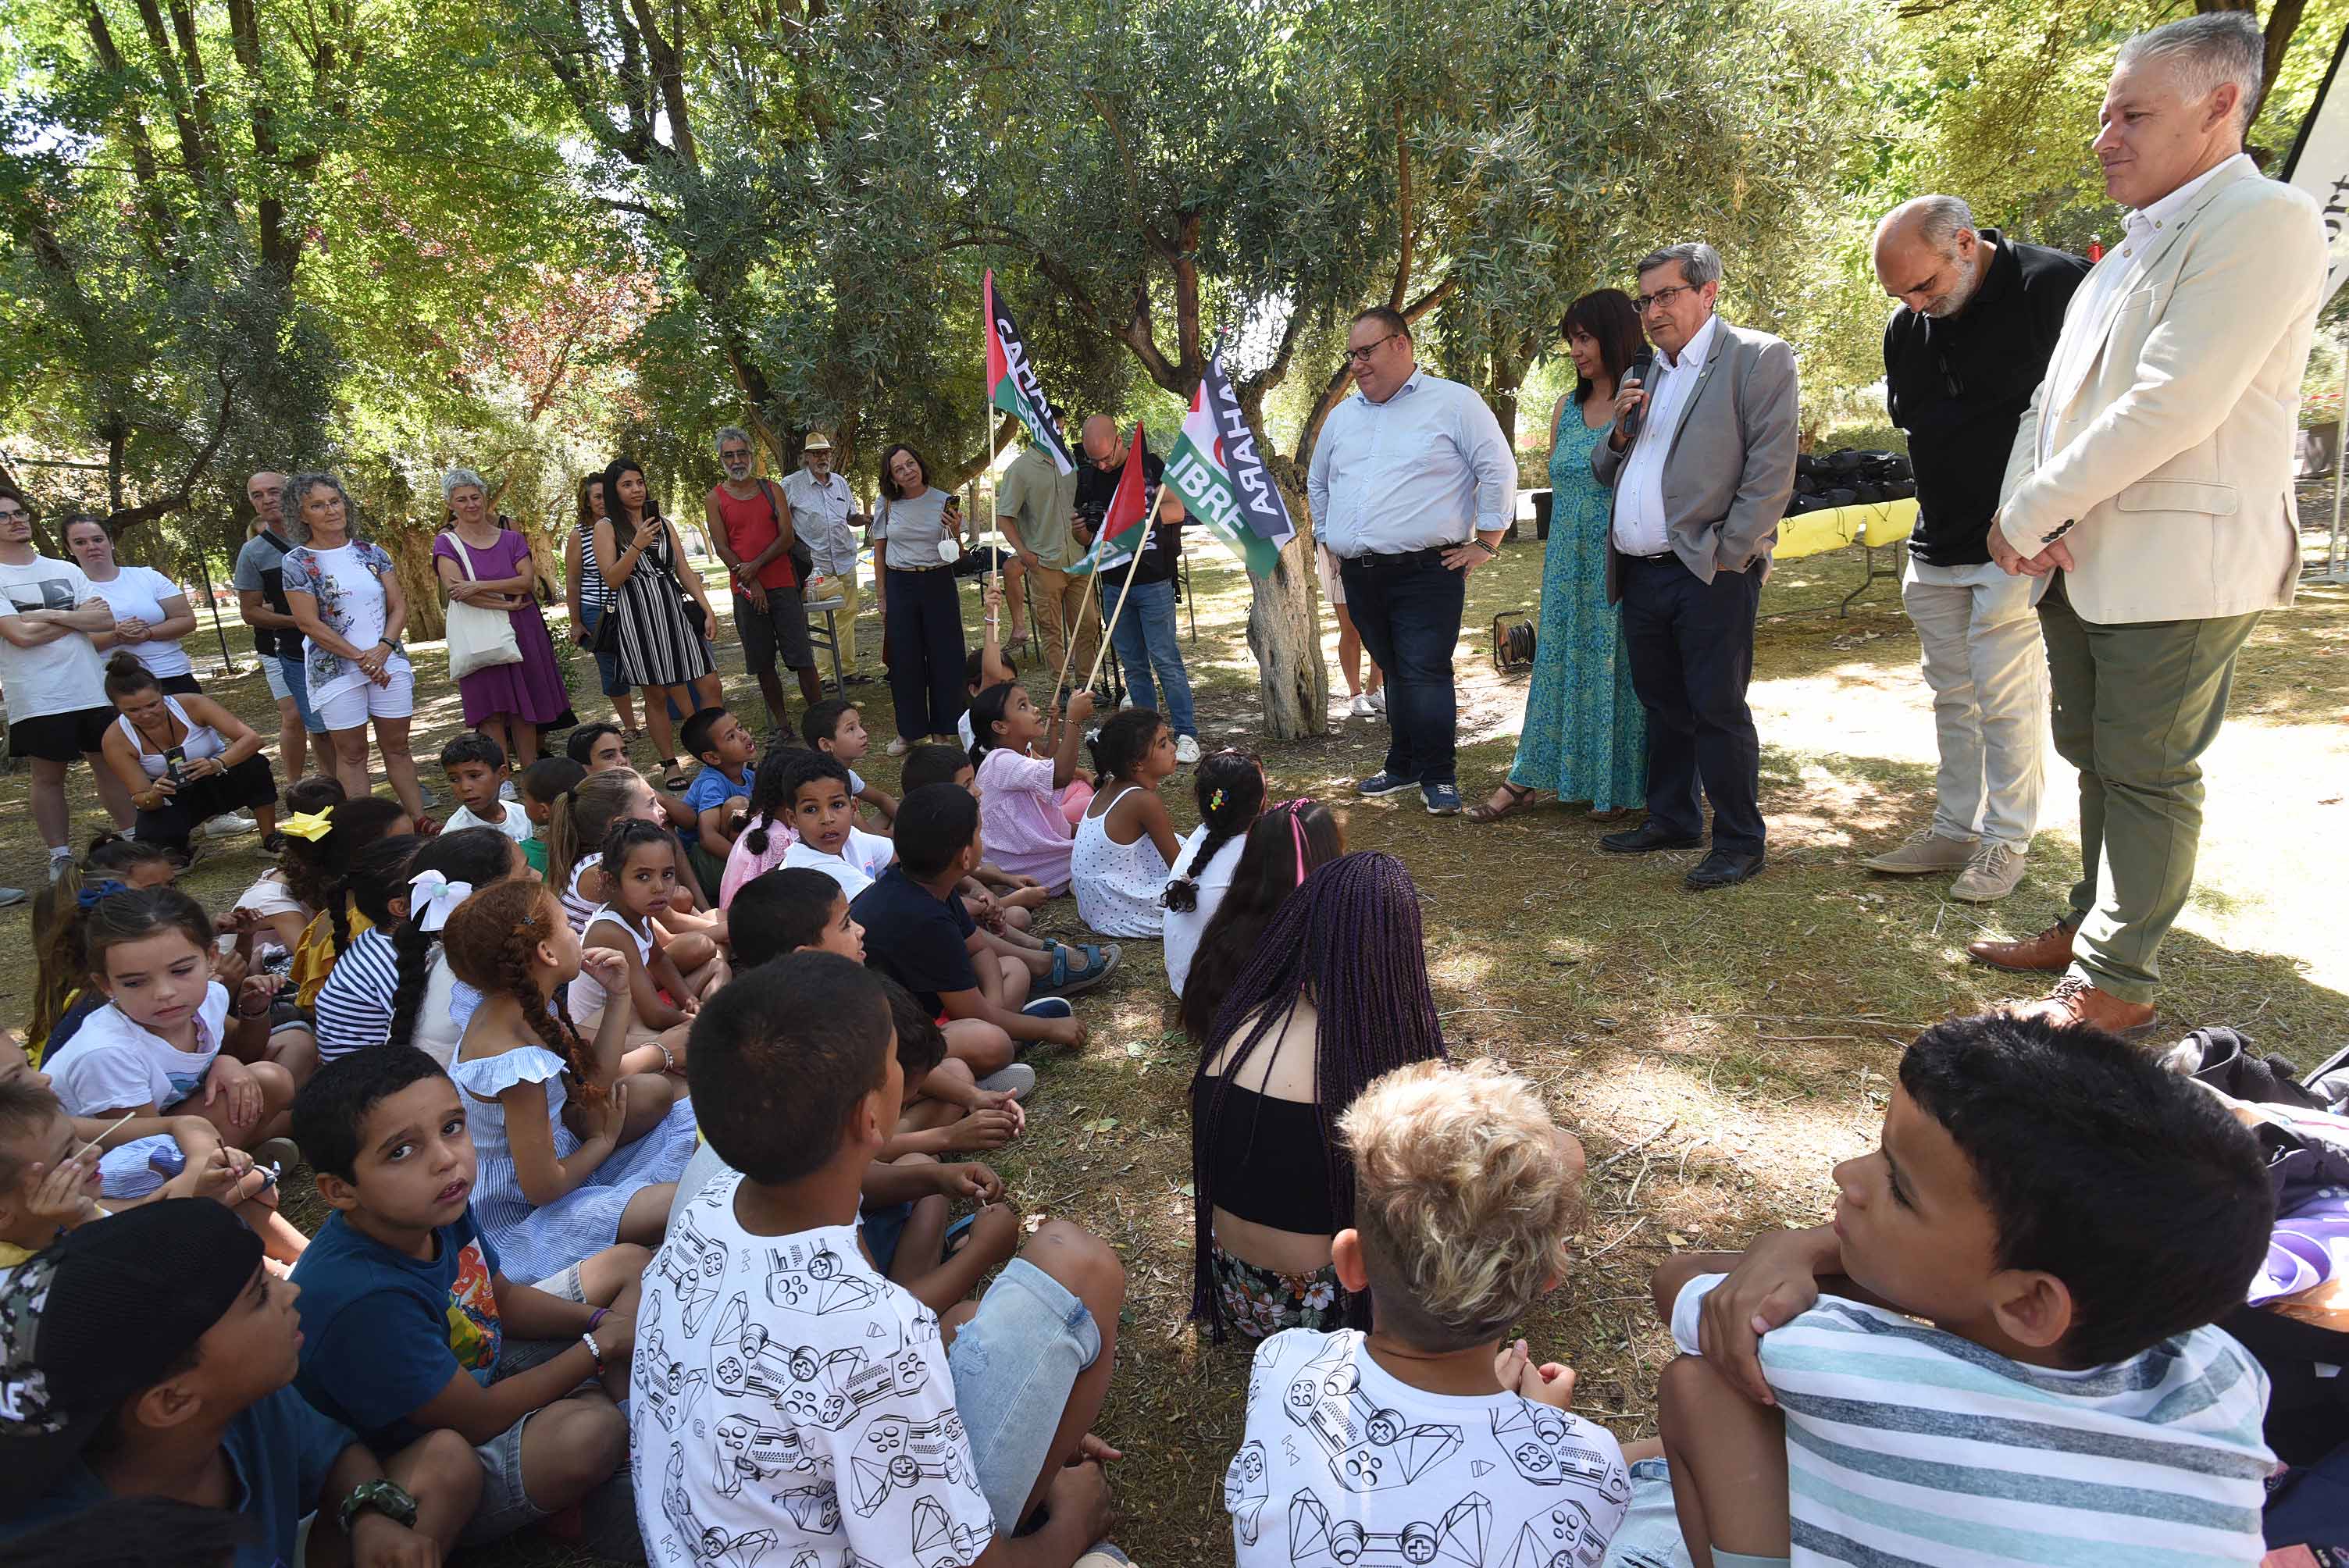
point(354, 1006)
point(1908, 1445)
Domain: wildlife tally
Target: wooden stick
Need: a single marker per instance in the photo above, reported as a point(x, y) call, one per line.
point(112, 1131)
point(1149, 522)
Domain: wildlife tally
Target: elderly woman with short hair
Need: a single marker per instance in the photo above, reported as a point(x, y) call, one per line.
point(345, 597)
point(485, 562)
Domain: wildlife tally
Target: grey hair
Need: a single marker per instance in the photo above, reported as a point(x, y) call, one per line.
point(1941, 220)
point(298, 488)
point(2207, 51)
point(733, 433)
point(1700, 263)
point(456, 479)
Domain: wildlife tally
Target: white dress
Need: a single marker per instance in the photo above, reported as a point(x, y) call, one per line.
point(536, 1243)
point(1117, 885)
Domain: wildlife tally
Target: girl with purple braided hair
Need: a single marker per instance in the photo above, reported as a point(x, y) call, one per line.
point(1336, 996)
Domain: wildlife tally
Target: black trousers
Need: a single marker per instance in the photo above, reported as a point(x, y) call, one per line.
point(1691, 647)
point(926, 650)
point(245, 786)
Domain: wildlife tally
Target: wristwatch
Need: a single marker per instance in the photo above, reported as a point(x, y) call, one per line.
point(388, 1498)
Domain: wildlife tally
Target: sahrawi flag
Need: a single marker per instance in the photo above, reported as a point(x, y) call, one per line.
point(1012, 383)
point(1121, 526)
point(1223, 482)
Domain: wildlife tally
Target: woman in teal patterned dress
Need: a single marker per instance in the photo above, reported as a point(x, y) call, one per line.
point(1585, 738)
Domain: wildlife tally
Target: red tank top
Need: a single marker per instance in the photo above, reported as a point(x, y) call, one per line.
point(749, 529)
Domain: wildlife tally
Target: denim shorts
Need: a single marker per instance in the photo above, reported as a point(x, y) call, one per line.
point(1014, 1365)
point(881, 1228)
point(296, 680)
point(1649, 1536)
point(505, 1507)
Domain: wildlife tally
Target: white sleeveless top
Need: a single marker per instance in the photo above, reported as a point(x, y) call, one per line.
point(1117, 885)
point(587, 994)
point(202, 741)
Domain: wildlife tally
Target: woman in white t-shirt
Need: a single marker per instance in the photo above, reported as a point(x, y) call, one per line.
point(347, 599)
point(53, 676)
point(150, 611)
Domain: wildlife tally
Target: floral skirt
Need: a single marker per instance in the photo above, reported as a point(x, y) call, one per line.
point(1261, 1303)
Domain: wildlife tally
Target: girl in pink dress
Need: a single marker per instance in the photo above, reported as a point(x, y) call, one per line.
point(1026, 805)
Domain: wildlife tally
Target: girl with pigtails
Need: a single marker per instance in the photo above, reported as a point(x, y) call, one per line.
point(574, 1154)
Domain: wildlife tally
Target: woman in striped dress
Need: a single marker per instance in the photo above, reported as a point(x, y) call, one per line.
point(660, 648)
point(590, 597)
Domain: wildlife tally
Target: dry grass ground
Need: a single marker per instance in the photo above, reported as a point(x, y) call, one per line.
point(1717, 1055)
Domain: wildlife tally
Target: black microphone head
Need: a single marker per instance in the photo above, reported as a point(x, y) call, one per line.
point(1643, 361)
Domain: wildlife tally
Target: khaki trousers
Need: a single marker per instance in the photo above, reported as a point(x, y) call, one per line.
point(1059, 599)
point(2135, 706)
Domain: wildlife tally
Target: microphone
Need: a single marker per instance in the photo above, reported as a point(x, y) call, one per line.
point(1641, 363)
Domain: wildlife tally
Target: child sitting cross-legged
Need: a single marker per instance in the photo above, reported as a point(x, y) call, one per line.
point(574, 1155)
point(918, 932)
point(410, 1326)
point(152, 1354)
point(720, 792)
point(476, 767)
point(640, 870)
point(1030, 803)
point(767, 833)
point(428, 1006)
point(836, 727)
point(2067, 1218)
point(791, 1402)
point(934, 762)
point(820, 793)
point(1434, 1431)
point(545, 782)
point(1125, 841)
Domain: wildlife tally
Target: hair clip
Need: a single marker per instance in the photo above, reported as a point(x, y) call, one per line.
point(1216, 801)
point(310, 825)
point(432, 898)
point(103, 888)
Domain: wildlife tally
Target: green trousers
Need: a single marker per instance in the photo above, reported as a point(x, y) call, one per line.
point(2134, 706)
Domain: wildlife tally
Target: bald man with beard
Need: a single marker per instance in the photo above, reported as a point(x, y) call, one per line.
point(1148, 643)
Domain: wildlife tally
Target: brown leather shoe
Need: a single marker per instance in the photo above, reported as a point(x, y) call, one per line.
point(2048, 953)
point(2074, 1001)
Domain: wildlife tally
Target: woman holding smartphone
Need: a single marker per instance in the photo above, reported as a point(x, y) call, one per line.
point(185, 758)
point(921, 610)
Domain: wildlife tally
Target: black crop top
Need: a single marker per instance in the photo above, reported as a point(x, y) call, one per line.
point(1265, 1162)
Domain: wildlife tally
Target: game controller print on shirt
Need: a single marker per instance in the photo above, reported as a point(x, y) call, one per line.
point(1344, 1466)
point(791, 1408)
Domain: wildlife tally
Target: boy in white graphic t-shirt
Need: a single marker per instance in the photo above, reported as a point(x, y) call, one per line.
point(789, 1404)
point(1430, 1439)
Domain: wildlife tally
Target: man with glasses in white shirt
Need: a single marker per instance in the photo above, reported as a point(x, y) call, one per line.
point(1413, 486)
point(825, 519)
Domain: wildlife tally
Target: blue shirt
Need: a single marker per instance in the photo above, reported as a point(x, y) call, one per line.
point(1410, 473)
point(382, 1333)
point(279, 1451)
point(711, 788)
point(917, 938)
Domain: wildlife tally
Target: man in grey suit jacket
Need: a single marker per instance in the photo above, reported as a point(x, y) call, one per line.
point(1699, 490)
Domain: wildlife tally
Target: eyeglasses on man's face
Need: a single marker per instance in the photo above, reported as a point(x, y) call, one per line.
point(1363, 356)
point(1664, 296)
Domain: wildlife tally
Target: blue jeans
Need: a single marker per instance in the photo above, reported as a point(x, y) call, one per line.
point(1147, 642)
point(1407, 608)
point(297, 686)
point(607, 666)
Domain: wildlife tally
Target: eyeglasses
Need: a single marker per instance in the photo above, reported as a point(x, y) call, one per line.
point(1646, 303)
point(1363, 356)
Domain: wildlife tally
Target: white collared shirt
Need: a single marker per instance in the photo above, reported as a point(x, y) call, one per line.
point(1428, 467)
point(1641, 526)
point(2092, 307)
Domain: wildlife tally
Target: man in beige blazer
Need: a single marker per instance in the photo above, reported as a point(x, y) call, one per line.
point(2150, 491)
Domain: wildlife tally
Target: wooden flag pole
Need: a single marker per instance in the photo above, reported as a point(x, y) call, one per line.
point(1149, 522)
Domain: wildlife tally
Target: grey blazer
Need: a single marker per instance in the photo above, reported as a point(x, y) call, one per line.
point(1731, 466)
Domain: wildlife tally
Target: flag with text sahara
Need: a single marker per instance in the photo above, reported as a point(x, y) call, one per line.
point(1221, 476)
point(1121, 526)
point(1012, 383)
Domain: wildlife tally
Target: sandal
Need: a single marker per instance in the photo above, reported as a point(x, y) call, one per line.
point(1068, 978)
point(1520, 796)
point(674, 777)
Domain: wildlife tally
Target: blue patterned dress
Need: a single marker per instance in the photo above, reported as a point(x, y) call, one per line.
point(1585, 736)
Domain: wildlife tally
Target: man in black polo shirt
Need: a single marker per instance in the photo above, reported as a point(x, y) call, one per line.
point(1979, 317)
point(1148, 647)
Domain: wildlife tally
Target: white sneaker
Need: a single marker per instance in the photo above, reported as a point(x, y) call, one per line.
point(1922, 851)
point(228, 825)
point(506, 791)
point(899, 747)
point(1379, 700)
point(1186, 750)
point(1360, 706)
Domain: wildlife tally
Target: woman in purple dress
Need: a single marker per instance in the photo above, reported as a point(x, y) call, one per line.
point(505, 702)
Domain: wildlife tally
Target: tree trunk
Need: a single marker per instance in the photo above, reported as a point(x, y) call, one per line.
point(1285, 635)
point(410, 549)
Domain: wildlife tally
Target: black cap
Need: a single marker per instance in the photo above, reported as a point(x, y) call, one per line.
point(102, 1315)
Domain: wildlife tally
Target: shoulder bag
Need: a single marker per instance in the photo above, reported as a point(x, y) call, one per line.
point(479, 637)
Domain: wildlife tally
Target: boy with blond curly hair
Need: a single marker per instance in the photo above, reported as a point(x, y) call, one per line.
point(1433, 1438)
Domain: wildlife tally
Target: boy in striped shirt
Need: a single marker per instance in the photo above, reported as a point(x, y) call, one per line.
point(2070, 1219)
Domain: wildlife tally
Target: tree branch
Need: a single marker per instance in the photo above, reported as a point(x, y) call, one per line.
point(123, 518)
point(165, 228)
